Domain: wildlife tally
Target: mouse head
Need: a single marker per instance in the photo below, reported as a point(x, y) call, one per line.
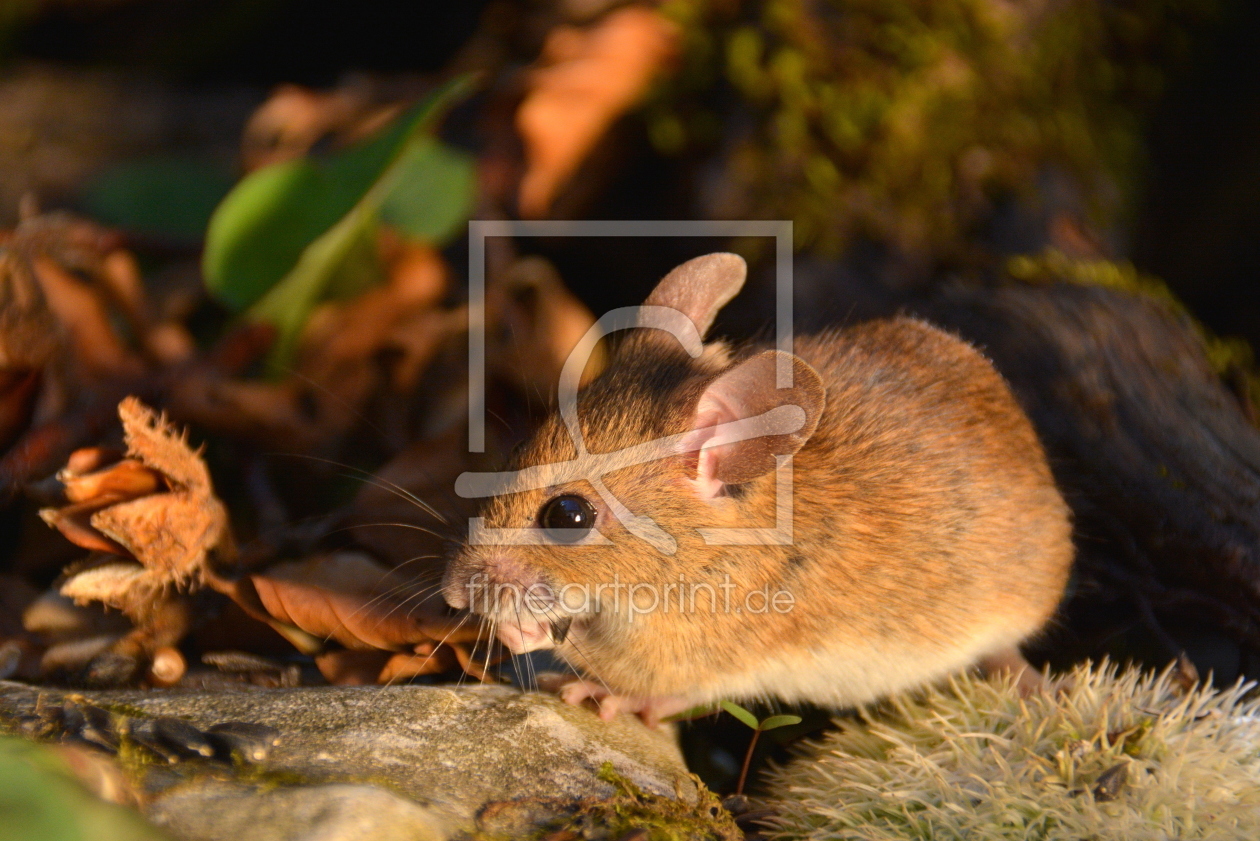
point(611, 491)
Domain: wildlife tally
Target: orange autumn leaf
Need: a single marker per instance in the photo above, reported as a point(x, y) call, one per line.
point(357, 603)
point(588, 78)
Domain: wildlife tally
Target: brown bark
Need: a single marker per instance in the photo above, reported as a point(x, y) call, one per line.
point(1157, 459)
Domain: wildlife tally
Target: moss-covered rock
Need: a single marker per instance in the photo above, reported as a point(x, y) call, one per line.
point(1231, 357)
point(903, 120)
point(414, 762)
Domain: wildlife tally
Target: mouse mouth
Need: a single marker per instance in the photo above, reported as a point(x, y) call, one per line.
point(528, 622)
point(520, 606)
point(531, 633)
point(526, 634)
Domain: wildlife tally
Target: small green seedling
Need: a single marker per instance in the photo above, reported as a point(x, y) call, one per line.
point(702, 711)
point(758, 727)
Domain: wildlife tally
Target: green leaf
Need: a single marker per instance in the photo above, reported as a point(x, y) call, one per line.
point(169, 197)
point(277, 243)
point(742, 714)
point(776, 721)
point(434, 194)
point(258, 233)
point(702, 711)
point(289, 302)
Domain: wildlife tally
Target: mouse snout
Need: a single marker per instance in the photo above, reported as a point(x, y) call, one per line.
point(495, 583)
point(514, 597)
point(455, 584)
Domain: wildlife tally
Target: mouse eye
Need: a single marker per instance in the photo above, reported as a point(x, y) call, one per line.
point(567, 518)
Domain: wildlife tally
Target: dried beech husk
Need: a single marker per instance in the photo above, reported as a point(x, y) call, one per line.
point(154, 510)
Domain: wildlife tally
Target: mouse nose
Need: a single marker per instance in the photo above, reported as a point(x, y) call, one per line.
point(496, 584)
point(456, 594)
point(455, 584)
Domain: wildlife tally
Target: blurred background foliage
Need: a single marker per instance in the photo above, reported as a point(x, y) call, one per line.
point(904, 129)
point(901, 122)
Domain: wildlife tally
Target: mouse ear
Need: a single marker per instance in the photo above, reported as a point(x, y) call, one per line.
point(700, 287)
point(742, 420)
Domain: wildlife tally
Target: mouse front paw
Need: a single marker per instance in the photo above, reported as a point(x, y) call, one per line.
point(609, 704)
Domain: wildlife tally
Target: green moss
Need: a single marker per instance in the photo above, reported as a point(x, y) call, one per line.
point(268, 779)
point(1053, 265)
point(902, 120)
point(1109, 755)
point(117, 708)
point(664, 818)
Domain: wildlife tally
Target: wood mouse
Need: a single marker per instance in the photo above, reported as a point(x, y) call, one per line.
point(887, 520)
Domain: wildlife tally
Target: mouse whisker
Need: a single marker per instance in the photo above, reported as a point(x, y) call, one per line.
point(411, 526)
point(401, 586)
point(516, 661)
point(376, 481)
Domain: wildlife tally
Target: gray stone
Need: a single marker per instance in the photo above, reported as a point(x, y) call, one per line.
point(336, 812)
point(379, 762)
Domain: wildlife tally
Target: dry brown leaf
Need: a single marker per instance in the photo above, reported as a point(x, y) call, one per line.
point(416, 341)
point(343, 617)
point(478, 670)
point(64, 282)
point(28, 331)
point(373, 346)
point(355, 602)
point(75, 524)
point(369, 609)
point(587, 79)
point(345, 572)
point(539, 323)
point(153, 440)
point(415, 664)
point(343, 667)
point(76, 326)
point(265, 412)
point(170, 533)
point(360, 668)
point(168, 342)
point(343, 342)
point(127, 479)
point(120, 276)
point(291, 121)
point(90, 460)
point(415, 269)
point(295, 118)
point(85, 318)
